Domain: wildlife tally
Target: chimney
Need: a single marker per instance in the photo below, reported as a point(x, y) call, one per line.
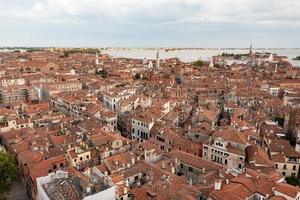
point(126, 183)
point(163, 165)
point(88, 190)
point(125, 190)
point(173, 170)
point(218, 184)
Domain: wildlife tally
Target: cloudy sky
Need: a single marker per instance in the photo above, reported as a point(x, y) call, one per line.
point(150, 23)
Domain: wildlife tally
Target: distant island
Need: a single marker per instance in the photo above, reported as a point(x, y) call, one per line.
point(234, 56)
point(297, 58)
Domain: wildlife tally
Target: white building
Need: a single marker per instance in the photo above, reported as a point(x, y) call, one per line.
point(141, 127)
point(111, 99)
point(298, 142)
point(59, 185)
point(12, 81)
point(274, 90)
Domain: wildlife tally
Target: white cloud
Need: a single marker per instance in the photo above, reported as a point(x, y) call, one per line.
point(164, 11)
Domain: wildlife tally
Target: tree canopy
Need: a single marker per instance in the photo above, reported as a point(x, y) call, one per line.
point(89, 51)
point(293, 181)
point(103, 73)
point(137, 76)
point(296, 58)
point(8, 170)
point(198, 63)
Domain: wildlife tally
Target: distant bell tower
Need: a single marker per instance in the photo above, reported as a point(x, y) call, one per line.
point(250, 50)
point(97, 59)
point(157, 59)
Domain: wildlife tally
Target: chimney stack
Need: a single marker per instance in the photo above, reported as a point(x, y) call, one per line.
point(218, 184)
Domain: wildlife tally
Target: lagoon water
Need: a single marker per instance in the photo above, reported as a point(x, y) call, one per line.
point(192, 55)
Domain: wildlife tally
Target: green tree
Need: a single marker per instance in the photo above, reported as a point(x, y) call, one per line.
point(8, 170)
point(297, 58)
point(198, 63)
point(293, 181)
point(279, 120)
point(137, 76)
point(66, 54)
point(103, 73)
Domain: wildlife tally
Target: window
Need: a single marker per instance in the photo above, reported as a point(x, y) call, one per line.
point(240, 166)
point(293, 174)
point(80, 158)
point(219, 144)
point(284, 166)
point(75, 160)
point(61, 164)
point(225, 162)
point(87, 157)
point(294, 167)
point(54, 167)
point(276, 166)
point(136, 178)
point(190, 169)
point(283, 173)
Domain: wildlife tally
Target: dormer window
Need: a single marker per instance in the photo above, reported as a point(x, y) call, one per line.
point(219, 144)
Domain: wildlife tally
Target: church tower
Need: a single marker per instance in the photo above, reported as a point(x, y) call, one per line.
point(250, 50)
point(157, 59)
point(97, 59)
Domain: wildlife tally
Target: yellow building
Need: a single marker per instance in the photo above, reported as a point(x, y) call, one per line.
point(78, 155)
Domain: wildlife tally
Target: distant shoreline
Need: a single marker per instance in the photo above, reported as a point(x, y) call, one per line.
point(146, 48)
